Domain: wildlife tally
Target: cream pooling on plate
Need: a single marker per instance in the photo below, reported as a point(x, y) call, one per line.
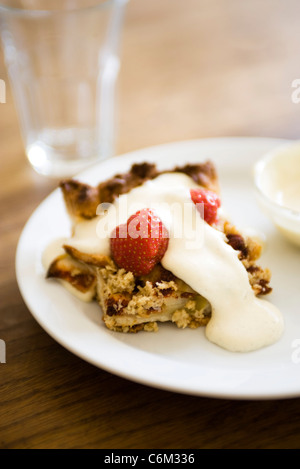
point(240, 321)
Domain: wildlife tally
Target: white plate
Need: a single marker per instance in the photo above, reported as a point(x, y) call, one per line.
point(173, 359)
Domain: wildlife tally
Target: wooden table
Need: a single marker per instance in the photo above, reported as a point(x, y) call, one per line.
point(193, 68)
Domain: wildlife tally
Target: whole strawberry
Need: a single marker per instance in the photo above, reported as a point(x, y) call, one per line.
point(210, 201)
point(140, 244)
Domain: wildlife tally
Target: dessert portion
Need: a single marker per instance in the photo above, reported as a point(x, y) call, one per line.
point(154, 246)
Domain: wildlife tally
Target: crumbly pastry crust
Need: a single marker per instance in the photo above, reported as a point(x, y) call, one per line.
point(130, 303)
point(82, 200)
point(79, 275)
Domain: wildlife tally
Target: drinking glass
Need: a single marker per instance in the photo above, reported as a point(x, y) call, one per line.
point(63, 61)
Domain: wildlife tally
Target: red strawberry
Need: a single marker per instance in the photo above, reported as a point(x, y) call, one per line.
point(210, 201)
point(140, 244)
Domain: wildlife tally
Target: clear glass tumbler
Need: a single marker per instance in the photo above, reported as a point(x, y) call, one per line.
point(63, 62)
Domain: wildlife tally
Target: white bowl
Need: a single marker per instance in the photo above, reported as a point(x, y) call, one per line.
point(277, 181)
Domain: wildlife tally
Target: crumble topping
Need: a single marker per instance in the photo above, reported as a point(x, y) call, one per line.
point(131, 304)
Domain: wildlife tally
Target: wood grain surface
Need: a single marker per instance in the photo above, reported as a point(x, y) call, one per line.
point(193, 68)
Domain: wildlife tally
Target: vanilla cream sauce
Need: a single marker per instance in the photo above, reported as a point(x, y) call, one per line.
point(278, 178)
point(289, 195)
